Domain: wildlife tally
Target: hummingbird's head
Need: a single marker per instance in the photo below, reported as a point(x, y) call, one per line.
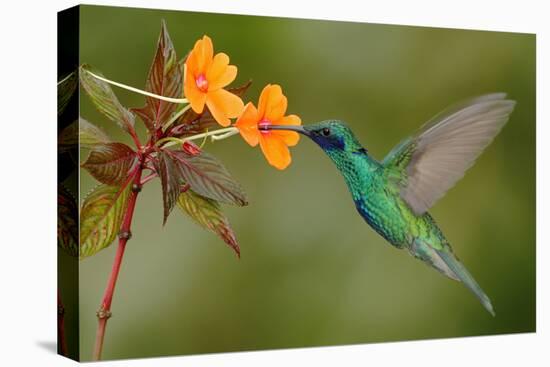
point(328, 134)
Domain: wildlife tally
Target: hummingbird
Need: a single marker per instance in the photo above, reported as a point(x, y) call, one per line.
point(394, 195)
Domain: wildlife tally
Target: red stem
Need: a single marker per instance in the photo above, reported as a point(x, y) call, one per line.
point(62, 342)
point(105, 310)
point(135, 138)
point(148, 178)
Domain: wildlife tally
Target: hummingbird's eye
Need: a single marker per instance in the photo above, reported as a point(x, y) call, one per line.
point(325, 131)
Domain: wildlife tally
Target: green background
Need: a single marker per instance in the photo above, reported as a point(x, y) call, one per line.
point(312, 272)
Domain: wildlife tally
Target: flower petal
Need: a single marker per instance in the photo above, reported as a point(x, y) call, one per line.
point(224, 105)
point(290, 138)
point(265, 97)
point(196, 98)
point(276, 110)
point(272, 104)
point(220, 73)
point(191, 62)
point(205, 52)
point(275, 151)
point(225, 79)
point(219, 63)
point(247, 123)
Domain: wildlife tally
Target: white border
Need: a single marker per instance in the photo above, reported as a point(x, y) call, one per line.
point(28, 197)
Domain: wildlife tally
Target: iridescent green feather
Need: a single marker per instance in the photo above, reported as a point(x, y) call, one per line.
point(393, 196)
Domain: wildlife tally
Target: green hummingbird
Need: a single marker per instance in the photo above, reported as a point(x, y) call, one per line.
point(394, 195)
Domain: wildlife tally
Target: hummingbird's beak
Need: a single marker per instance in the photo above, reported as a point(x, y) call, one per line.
point(298, 128)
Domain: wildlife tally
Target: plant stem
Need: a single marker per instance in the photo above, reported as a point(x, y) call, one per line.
point(65, 79)
point(215, 134)
point(135, 138)
point(62, 342)
point(225, 135)
point(148, 178)
point(211, 133)
point(104, 312)
point(132, 89)
point(175, 117)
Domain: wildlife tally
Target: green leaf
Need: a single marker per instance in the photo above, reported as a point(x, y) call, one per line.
point(110, 163)
point(67, 221)
point(104, 99)
point(90, 135)
point(85, 133)
point(208, 177)
point(65, 90)
point(101, 216)
point(191, 123)
point(207, 213)
point(165, 78)
point(171, 181)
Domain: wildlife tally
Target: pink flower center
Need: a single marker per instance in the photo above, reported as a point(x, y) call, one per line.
point(202, 83)
point(262, 125)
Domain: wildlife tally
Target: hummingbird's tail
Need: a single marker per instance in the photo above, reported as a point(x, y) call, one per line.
point(446, 262)
point(465, 277)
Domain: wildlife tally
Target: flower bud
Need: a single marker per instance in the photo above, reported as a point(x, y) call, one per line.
point(191, 148)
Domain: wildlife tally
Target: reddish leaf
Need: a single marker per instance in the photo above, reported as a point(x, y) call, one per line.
point(65, 90)
point(208, 177)
point(207, 213)
point(90, 135)
point(195, 124)
point(81, 132)
point(67, 221)
point(240, 91)
point(170, 179)
point(192, 123)
point(104, 99)
point(143, 114)
point(165, 78)
point(101, 216)
point(184, 59)
point(68, 138)
point(110, 163)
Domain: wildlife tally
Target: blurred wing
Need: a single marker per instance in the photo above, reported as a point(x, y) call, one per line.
point(439, 154)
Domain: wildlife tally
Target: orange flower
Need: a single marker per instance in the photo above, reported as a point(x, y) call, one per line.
point(205, 77)
point(271, 110)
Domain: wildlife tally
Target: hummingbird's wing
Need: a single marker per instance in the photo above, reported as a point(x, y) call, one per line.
point(431, 161)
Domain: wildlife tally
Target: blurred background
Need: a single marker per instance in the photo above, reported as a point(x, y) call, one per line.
point(312, 272)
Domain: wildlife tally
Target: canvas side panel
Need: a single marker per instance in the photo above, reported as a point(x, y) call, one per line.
point(68, 183)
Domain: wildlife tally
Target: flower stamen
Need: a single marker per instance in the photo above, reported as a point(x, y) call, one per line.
point(202, 83)
point(262, 126)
